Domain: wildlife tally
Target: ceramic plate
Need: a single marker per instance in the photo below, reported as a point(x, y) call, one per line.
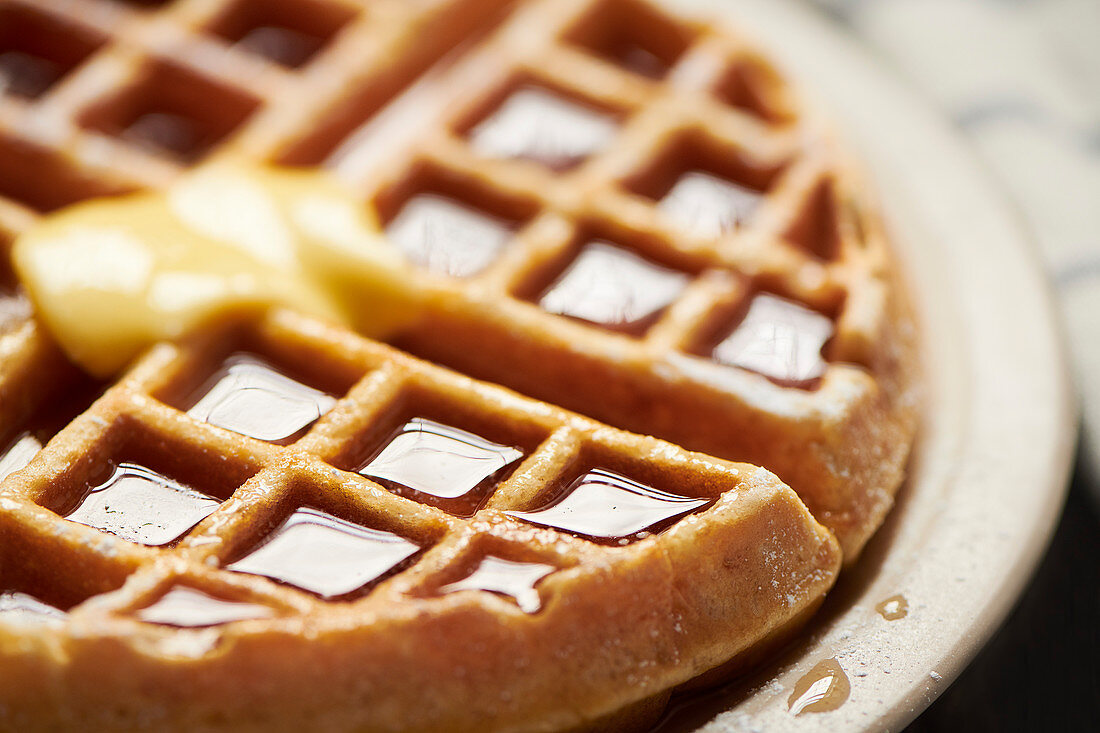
point(989, 474)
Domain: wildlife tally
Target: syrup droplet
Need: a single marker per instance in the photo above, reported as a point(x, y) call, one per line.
point(444, 236)
point(25, 608)
point(780, 339)
point(893, 608)
point(822, 689)
point(249, 396)
point(610, 286)
point(535, 124)
point(431, 462)
point(190, 608)
point(708, 205)
point(516, 580)
point(325, 555)
point(141, 505)
point(606, 505)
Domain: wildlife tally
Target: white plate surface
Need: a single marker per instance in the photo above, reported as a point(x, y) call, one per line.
point(988, 478)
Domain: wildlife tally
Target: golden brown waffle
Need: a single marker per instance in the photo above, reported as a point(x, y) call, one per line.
point(680, 97)
point(840, 439)
point(610, 628)
point(409, 101)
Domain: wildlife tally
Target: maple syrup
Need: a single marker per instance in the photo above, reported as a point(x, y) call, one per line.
point(167, 132)
point(444, 466)
point(515, 580)
point(143, 506)
point(638, 60)
point(325, 555)
point(779, 339)
point(535, 124)
point(282, 45)
point(447, 237)
point(614, 288)
point(185, 607)
point(25, 608)
point(50, 418)
point(19, 453)
point(709, 205)
point(823, 689)
point(893, 608)
point(602, 505)
point(249, 396)
point(27, 75)
point(14, 306)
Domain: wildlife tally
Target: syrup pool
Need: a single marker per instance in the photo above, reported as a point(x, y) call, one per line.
point(614, 288)
point(190, 608)
point(325, 555)
point(603, 505)
point(822, 689)
point(249, 396)
point(515, 580)
point(441, 465)
point(143, 506)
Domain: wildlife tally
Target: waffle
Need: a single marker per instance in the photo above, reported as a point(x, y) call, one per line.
point(576, 607)
point(757, 317)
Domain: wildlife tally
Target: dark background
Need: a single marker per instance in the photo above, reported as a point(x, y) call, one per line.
point(1041, 671)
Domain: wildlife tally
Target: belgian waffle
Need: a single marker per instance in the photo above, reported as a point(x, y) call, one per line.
point(666, 149)
point(589, 618)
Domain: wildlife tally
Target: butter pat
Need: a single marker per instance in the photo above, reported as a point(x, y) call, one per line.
point(112, 276)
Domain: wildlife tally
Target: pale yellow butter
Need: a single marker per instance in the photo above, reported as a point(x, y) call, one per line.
point(109, 277)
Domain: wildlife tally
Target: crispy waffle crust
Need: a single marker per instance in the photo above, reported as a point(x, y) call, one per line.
point(407, 101)
point(617, 624)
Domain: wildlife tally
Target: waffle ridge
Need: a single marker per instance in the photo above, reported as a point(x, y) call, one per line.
point(389, 96)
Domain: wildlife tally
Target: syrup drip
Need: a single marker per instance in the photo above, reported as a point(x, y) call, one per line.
point(893, 608)
point(428, 461)
point(605, 505)
point(822, 689)
point(18, 454)
point(325, 555)
point(24, 608)
point(516, 580)
point(26, 75)
point(248, 396)
point(780, 339)
point(446, 237)
point(534, 124)
point(708, 205)
point(141, 505)
point(190, 608)
point(279, 44)
point(615, 288)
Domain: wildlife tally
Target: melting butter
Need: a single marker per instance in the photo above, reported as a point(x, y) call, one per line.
point(111, 276)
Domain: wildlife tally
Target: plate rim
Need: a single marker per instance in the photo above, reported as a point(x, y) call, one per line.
point(916, 142)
